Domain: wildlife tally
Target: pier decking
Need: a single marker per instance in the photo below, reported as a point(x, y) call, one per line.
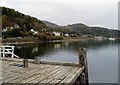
point(13, 71)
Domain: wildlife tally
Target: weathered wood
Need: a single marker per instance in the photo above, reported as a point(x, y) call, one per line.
point(56, 75)
point(25, 63)
point(81, 55)
point(10, 71)
point(59, 63)
point(27, 75)
point(71, 78)
point(38, 74)
point(83, 61)
point(62, 75)
point(46, 75)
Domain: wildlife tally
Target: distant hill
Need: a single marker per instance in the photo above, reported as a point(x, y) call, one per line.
point(82, 29)
point(50, 24)
point(19, 25)
point(12, 18)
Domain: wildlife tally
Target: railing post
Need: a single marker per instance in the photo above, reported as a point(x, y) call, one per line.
point(0, 52)
point(12, 53)
point(3, 48)
point(83, 62)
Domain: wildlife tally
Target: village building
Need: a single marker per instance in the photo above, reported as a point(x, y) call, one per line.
point(33, 31)
point(57, 33)
point(66, 35)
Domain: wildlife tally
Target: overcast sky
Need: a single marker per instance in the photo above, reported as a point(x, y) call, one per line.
point(63, 12)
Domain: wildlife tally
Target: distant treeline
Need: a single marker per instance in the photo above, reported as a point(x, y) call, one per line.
point(20, 25)
point(82, 30)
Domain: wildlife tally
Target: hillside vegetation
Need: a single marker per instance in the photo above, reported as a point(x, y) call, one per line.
point(16, 24)
point(82, 30)
point(19, 24)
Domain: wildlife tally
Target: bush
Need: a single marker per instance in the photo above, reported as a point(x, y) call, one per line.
point(43, 37)
point(56, 38)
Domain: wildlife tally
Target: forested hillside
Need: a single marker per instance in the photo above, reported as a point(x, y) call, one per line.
point(82, 29)
point(18, 24)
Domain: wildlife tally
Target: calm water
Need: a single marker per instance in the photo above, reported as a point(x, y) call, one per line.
point(102, 56)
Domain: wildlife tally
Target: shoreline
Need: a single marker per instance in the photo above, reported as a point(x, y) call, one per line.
point(51, 41)
point(33, 42)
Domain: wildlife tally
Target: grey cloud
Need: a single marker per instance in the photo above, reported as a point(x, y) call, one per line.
point(62, 13)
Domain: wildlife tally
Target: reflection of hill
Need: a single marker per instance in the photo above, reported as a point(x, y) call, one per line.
point(32, 50)
point(94, 44)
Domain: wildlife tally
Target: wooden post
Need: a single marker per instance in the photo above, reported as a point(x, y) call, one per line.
point(25, 63)
point(36, 60)
point(82, 79)
point(83, 62)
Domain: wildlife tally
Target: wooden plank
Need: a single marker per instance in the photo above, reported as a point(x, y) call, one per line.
point(16, 60)
point(15, 71)
point(39, 74)
point(45, 75)
point(9, 72)
point(59, 63)
point(65, 80)
point(28, 75)
point(11, 59)
point(58, 76)
point(22, 70)
point(48, 79)
point(10, 66)
point(8, 77)
point(27, 71)
point(6, 71)
point(71, 78)
point(62, 75)
point(6, 64)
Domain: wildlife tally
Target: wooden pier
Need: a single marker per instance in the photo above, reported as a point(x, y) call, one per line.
point(27, 71)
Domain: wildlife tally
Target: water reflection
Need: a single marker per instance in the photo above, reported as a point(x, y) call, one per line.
point(32, 50)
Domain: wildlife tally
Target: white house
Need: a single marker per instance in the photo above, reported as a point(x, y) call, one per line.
point(11, 28)
point(44, 29)
point(98, 37)
point(56, 33)
point(34, 32)
point(66, 35)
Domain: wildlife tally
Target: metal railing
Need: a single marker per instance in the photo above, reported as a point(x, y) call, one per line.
point(7, 50)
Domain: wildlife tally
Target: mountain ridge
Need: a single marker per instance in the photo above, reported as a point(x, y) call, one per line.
point(81, 28)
